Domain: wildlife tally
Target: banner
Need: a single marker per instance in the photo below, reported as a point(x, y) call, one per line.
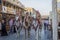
point(4, 9)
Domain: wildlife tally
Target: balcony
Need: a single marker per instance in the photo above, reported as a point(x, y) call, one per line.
point(8, 10)
point(11, 10)
point(16, 3)
point(4, 9)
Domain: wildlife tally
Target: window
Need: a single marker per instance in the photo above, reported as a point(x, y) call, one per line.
point(30, 13)
point(59, 34)
point(9, 5)
point(14, 7)
point(0, 1)
point(13, 0)
point(59, 24)
point(4, 3)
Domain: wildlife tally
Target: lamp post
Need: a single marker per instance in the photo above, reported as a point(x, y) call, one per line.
point(54, 20)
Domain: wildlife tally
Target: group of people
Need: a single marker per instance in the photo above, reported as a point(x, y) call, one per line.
point(31, 23)
point(27, 24)
point(48, 30)
point(3, 27)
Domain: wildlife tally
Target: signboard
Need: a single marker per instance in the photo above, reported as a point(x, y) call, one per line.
point(4, 9)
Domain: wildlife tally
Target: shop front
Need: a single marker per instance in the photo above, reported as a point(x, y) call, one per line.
point(7, 17)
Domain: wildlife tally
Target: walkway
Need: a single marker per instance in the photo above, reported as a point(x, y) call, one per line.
point(32, 36)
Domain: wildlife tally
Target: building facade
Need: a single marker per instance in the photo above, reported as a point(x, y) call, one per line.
point(10, 9)
point(32, 12)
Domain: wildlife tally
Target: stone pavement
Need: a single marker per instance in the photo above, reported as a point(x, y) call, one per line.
point(42, 36)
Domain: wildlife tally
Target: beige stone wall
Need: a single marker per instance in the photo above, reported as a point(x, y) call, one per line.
point(10, 7)
point(16, 2)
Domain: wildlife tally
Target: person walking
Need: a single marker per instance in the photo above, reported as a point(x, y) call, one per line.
point(14, 26)
point(39, 28)
point(3, 31)
point(46, 23)
point(18, 26)
point(46, 30)
point(35, 26)
point(30, 26)
point(11, 25)
point(26, 25)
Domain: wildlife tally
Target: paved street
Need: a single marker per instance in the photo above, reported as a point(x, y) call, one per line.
point(32, 36)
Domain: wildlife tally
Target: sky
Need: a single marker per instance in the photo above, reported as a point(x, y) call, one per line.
point(43, 6)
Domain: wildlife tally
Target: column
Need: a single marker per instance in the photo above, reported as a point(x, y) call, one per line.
point(54, 19)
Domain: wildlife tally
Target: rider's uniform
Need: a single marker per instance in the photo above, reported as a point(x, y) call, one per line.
point(35, 25)
point(36, 29)
point(26, 26)
point(18, 27)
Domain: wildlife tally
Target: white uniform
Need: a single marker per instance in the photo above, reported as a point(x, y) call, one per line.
point(18, 25)
point(36, 32)
point(35, 24)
